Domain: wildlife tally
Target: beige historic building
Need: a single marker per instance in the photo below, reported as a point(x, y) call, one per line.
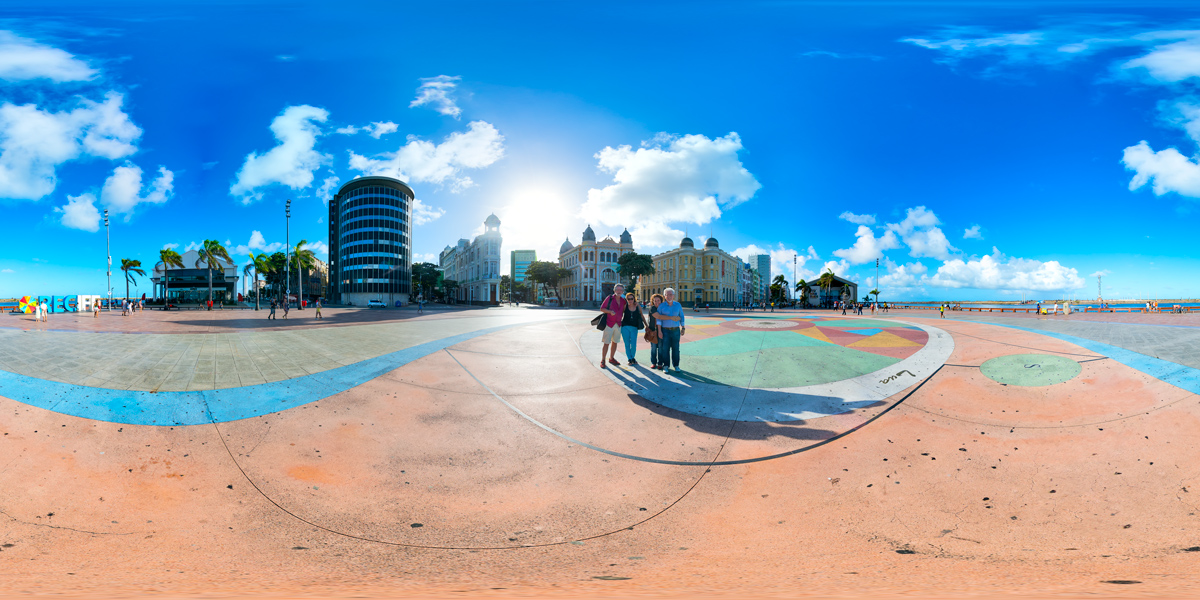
point(593, 266)
point(475, 265)
point(706, 275)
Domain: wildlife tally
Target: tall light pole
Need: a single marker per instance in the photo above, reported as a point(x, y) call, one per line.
point(108, 273)
point(793, 271)
point(876, 281)
point(1099, 288)
point(287, 248)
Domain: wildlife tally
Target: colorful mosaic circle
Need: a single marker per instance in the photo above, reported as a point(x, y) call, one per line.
point(773, 353)
point(770, 324)
point(1031, 370)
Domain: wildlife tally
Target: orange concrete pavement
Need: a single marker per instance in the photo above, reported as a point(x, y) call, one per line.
point(509, 465)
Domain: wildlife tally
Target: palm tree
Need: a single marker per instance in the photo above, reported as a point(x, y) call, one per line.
point(826, 281)
point(804, 290)
point(131, 266)
point(210, 256)
point(168, 258)
point(260, 263)
point(302, 258)
point(781, 282)
point(876, 292)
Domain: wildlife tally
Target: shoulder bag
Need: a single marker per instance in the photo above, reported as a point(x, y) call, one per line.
point(601, 320)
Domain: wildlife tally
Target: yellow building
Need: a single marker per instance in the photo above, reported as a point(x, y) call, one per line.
point(593, 267)
point(708, 276)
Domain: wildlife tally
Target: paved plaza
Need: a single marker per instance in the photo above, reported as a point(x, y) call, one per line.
point(482, 452)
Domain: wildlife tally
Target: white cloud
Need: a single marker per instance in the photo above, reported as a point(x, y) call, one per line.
point(376, 129)
point(922, 236)
point(781, 260)
point(122, 191)
point(972, 233)
point(80, 213)
point(868, 247)
point(170, 246)
point(1171, 63)
point(656, 234)
point(421, 160)
point(903, 276)
point(379, 129)
point(428, 257)
point(321, 249)
point(257, 243)
point(290, 163)
point(7, 271)
point(1103, 273)
point(669, 179)
point(34, 142)
point(461, 184)
point(857, 219)
point(1168, 170)
point(327, 189)
point(192, 246)
point(23, 59)
point(840, 268)
point(998, 272)
point(423, 213)
point(435, 91)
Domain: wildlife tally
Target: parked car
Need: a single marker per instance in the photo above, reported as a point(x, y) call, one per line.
point(375, 304)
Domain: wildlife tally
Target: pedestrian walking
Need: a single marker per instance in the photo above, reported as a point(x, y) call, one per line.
point(287, 303)
point(671, 322)
point(318, 307)
point(614, 307)
point(942, 310)
point(654, 333)
point(95, 310)
point(272, 315)
point(632, 321)
point(420, 306)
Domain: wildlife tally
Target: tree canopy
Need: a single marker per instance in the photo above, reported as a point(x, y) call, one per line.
point(546, 273)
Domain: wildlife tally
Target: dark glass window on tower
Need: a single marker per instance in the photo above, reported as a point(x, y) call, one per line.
point(369, 248)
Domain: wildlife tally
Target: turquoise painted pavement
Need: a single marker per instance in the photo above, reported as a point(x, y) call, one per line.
point(217, 405)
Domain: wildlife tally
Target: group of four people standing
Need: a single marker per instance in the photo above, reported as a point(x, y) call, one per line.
point(663, 329)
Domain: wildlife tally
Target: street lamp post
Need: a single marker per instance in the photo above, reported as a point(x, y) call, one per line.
point(793, 272)
point(287, 248)
point(108, 273)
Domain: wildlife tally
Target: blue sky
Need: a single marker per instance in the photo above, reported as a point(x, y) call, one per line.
point(981, 150)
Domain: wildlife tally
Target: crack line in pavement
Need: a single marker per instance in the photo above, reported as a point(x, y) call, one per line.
point(1019, 346)
point(360, 538)
point(980, 366)
point(31, 524)
point(1114, 420)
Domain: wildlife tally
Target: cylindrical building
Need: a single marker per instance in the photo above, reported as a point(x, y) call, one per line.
point(370, 243)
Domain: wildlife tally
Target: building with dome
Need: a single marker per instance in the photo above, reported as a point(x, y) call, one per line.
point(475, 266)
point(593, 266)
point(707, 275)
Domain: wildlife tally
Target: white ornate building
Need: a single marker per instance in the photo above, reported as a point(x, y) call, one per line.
point(475, 265)
point(593, 266)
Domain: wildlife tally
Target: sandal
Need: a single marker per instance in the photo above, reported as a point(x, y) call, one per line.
point(602, 365)
point(613, 362)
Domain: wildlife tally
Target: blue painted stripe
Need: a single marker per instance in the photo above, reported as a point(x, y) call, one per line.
point(1180, 376)
point(229, 404)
